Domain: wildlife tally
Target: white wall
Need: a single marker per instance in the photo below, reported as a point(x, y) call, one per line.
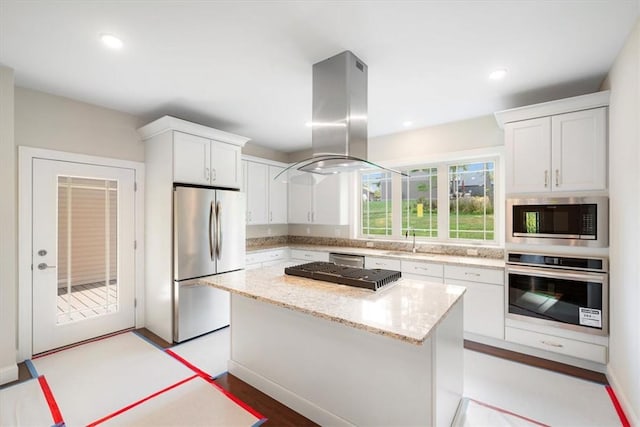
point(624, 175)
point(8, 236)
point(436, 142)
point(48, 121)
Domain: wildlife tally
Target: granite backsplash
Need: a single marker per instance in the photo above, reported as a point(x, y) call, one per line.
point(457, 250)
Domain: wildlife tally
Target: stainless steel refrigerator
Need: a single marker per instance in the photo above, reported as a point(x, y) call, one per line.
point(209, 238)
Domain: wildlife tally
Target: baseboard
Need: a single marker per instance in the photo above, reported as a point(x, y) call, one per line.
point(9, 373)
point(287, 397)
point(627, 407)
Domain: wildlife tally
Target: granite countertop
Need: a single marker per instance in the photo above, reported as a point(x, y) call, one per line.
point(407, 310)
point(402, 255)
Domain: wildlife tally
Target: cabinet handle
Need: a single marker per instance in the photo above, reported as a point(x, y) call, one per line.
point(552, 344)
point(546, 178)
point(471, 274)
point(313, 217)
point(270, 216)
point(206, 174)
point(308, 216)
point(557, 177)
point(213, 171)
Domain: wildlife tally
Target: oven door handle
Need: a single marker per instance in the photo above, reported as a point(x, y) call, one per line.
point(561, 274)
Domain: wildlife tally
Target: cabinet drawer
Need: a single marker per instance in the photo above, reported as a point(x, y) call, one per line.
point(579, 349)
point(309, 255)
point(474, 274)
point(422, 268)
point(266, 256)
point(383, 263)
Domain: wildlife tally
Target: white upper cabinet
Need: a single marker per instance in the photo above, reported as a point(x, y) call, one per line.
point(528, 148)
point(191, 158)
point(225, 165)
point(563, 147)
point(200, 155)
point(325, 202)
point(266, 198)
point(277, 197)
point(257, 193)
point(579, 150)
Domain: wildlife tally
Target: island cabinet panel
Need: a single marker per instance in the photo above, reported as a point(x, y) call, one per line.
point(484, 299)
point(338, 375)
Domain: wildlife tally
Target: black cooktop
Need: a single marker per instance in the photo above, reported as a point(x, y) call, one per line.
point(372, 279)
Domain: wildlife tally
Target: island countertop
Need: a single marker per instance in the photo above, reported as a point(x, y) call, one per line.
point(407, 310)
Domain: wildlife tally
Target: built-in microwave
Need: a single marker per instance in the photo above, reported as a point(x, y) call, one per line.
point(570, 221)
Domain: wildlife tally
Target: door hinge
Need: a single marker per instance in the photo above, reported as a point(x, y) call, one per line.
point(135, 186)
point(135, 244)
point(135, 302)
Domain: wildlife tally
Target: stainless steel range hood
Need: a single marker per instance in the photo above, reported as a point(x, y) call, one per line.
point(339, 118)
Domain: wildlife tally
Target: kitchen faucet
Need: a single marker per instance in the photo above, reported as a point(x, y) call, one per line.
point(406, 235)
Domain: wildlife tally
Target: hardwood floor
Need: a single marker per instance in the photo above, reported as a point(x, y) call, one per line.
point(538, 362)
point(277, 413)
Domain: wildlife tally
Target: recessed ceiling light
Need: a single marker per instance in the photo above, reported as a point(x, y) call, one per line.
point(111, 41)
point(407, 123)
point(498, 74)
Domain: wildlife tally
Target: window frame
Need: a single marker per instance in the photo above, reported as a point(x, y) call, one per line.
point(443, 226)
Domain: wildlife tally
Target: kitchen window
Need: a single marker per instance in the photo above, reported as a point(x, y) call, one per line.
point(376, 204)
point(447, 202)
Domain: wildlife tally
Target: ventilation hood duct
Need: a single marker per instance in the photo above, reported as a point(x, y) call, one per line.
point(339, 118)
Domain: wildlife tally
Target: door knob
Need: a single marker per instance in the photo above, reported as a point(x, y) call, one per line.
point(44, 266)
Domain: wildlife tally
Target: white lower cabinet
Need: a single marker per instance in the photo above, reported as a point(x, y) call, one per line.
point(309, 256)
point(566, 346)
point(382, 263)
point(484, 299)
point(266, 258)
point(418, 270)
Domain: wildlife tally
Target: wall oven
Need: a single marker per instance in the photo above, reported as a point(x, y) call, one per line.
point(558, 291)
point(568, 221)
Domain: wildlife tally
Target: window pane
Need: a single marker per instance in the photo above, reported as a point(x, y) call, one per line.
point(419, 202)
point(471, 195)
point(376, 203)
point(87, 248)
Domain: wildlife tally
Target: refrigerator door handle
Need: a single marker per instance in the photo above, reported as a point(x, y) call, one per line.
point(219, 229)
point(211, 231)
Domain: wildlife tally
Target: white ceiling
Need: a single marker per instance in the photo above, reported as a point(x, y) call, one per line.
point(245, 66)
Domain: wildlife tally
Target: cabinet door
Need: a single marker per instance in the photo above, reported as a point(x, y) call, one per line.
point(277, 197)
point(257, 194)
point(191, 156)
point(579, 155)
point(528, 155)
point(330, 205)
point(483, 308)
point(225, 165)
point(300, 194)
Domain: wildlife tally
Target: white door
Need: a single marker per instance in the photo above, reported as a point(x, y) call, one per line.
point(83, 252)
point(225, 165)
point(257, 193)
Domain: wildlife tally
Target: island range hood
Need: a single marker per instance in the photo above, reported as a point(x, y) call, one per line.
point(339, 118)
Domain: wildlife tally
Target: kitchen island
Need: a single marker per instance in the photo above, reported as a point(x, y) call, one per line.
point(348, 356)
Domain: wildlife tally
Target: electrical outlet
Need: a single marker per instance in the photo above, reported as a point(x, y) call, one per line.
point(369, 244)
point(472, 252)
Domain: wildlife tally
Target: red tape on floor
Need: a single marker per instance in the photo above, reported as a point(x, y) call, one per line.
point(504, 411)
point(141, 401)
point(616, 404)
point(211, 381)
point(51, 401)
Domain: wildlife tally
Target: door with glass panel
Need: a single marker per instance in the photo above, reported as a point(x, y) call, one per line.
point(83, 252)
